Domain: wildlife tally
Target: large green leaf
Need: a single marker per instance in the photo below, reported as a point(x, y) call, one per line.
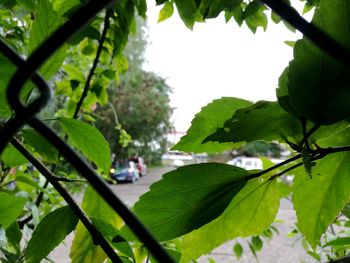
point(189, 197)
point(251, 211)
point(50, 232)
point(83, 248)
point(339, 138)
point(11, 157)
point(319, 200)
point(40, 144)
point(89, 141)
point(318, 85)
point(45, 23)
point(262, 121)
point(206, 122)
point(10, 208)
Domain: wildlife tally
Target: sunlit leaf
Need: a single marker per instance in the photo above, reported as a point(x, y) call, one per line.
point(10, 208)
point(319, 200)
point(189, 197)
point(251, 211)
point(11, 157)
point(40, 144)
point(262, 121)
point(50, 232)
point(89, 141)
point(166, 12)
point(206, 122)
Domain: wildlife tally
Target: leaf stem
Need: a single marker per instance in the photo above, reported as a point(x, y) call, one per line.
point(258, 174)
point(95, 63)
point(95, 233)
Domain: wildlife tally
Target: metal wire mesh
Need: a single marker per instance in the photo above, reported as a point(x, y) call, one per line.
point(25, 114)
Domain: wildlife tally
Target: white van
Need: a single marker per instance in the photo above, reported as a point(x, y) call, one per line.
point(248, 163)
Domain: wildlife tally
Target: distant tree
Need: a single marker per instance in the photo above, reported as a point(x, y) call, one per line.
point(139, 105)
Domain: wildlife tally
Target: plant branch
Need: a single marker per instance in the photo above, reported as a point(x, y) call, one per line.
point(94, 232)
point(258, 174)
point(95, 63)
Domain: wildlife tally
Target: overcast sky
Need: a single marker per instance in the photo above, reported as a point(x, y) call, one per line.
point(215, 60)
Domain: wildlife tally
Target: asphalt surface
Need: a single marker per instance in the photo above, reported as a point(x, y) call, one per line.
point(281, 249)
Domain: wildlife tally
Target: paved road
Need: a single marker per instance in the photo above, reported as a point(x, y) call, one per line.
point(280, 249)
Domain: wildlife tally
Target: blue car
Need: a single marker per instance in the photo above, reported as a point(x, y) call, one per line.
point(125, 172)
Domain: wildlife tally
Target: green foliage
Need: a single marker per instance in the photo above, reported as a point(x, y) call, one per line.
point(166, 12)
point(249, 213)
point(11, 157)
point(41, 145)
point(238, 250)
point(11, 207)
point(196, 207)
point(319, 200)
point(53, 229)
point(325, 100)
point(46, 21)
point(86, 138)
point(182, 201)
point(206, 122)
point(248, 124)
point(83, 248)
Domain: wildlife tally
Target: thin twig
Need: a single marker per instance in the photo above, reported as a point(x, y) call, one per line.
point(258, 174)
point(95, 63)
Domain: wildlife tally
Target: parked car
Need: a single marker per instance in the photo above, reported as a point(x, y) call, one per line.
point(248, 163)
point(125, 171)
point(140, 164)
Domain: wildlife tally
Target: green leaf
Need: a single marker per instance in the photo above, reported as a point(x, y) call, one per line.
point(7, 69)
point(319, 200)
point(166, 12)
point(189, 197)
point(262, 121)
point(257, 243)
point(50, 232)
point(251, 211)
point(83, 248)
point(188, 11)
point(14, 235)
point(89, 141)
point(11, 157)
point(238, 250)
point(255, 17)
point(211, 9)
point(339, 138)
point(341, 241)
point(7, 4)
point(206, 122)
point(111, 233)
point(45, 23)
point(318, 85)
point(10, 208)
point(40, 144)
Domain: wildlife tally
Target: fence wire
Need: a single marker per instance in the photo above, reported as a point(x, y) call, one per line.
point(25, 114)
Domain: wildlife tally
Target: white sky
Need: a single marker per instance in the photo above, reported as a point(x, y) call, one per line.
point(214, 60)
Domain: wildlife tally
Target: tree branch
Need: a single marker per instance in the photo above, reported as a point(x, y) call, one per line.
point(258, 174)
point(95, 63)
point(94, 232)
